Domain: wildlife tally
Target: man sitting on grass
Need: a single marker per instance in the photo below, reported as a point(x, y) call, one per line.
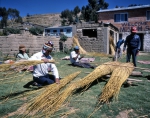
point(41, 71)
point(75, 59)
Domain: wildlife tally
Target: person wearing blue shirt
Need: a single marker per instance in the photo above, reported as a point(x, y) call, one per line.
point(118, 49)
point(133, 44)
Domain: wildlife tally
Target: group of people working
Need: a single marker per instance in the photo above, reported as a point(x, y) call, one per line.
point(41, 71)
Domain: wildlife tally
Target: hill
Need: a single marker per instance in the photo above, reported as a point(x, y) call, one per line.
point(46, 20)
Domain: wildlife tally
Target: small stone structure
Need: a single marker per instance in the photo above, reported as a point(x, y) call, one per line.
point(94, 37)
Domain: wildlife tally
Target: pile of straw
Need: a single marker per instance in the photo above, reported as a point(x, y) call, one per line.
point(44, 101)
point(21, 64)
point(54, 104)
point(118, 77)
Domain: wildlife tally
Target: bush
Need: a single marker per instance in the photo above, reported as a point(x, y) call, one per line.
point(63, 38)
point(8, 31)
point(1, 34)
point(36, 30)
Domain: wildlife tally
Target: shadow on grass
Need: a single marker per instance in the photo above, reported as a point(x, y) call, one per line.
point(92, 84)
point(17, 93)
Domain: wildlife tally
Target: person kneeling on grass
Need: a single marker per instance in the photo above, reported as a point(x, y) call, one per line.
point(41, 75)
point(75, 57)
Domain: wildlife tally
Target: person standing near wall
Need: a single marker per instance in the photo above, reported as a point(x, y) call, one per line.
point(133, 44)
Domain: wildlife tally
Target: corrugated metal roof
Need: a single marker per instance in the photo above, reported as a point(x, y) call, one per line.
point(124, 8)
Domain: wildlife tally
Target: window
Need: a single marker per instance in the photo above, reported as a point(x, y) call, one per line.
point(68, 30)
point(89, 32)
point(121, 17)
point(148, 15)
point(54, 31)
point(61, 30)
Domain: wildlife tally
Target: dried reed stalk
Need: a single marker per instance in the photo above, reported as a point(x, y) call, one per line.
point(118, 77)
point(21, 64)
point(76, 42)
point(101, 70)
point(112, 45)
point(44, 100)
point(112, 49)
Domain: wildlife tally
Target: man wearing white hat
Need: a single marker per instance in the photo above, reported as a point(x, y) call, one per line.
point(41, 71)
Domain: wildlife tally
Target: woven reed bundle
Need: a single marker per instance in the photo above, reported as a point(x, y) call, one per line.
point(112, 50)
point(44, 100)
point(118, 77)
point(21, 64)
point(112, 45)
point(101, 70)
point(76, 43)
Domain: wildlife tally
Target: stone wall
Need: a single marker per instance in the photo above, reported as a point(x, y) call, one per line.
point(9, 45)
point(146, 43)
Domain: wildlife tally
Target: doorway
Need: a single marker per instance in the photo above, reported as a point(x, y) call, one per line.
point(142, 39)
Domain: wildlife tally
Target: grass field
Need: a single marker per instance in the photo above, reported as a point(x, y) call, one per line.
point(133, 101)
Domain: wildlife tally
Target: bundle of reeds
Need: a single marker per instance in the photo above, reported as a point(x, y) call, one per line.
point(111, 45)
point(21, 64)
point(45, 99)
point(101, 70)
point(118, 77)
point(76, 43)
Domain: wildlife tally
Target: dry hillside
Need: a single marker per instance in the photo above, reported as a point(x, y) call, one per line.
point(47, 20)
point(44, 19)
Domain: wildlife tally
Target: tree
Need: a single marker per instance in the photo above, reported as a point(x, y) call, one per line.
point(76, 10)
point(116, 6)
point(13, 14)
point(63, 38)
point(19, 20)
point(4, 17)
point(89, 13)
point(102, 4)
point(67, 16)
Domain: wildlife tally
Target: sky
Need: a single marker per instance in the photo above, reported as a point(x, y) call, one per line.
point(33, 7)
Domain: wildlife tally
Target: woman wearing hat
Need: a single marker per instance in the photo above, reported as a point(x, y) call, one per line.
point(22, 53)
point(133, 44)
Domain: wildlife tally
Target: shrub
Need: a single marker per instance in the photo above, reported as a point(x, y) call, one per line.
point(36, 30)
point(63, 38)
point(8, 31)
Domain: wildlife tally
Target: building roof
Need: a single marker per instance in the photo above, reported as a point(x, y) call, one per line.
point(124, 8)
point(58, 27)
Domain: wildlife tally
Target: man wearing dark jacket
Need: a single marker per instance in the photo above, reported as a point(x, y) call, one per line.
point(133, 43)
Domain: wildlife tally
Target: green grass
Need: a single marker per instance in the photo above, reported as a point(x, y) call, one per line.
point(133, 99)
